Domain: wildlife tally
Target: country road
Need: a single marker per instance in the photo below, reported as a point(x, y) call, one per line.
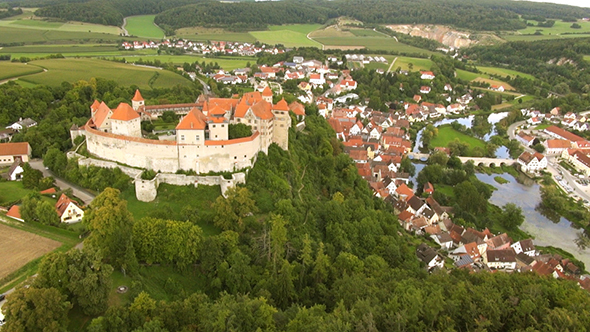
point(391, 66)
point(125, 33)
point(84, 195)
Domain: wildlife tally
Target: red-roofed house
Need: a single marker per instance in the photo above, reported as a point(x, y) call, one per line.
point(530, 162)
point(9, 152)
point(14, 213)
point(556, 146)
point(404, 192)
point(68, 210)
point(427, 75)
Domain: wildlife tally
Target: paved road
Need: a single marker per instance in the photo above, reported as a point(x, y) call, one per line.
point(77, 191)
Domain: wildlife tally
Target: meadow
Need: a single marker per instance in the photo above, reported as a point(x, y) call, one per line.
point(447, 134)
point(227, 63)
point(13, 34)
point(59, 26)
point(372, 43)
point(481, 77)
point(294, 35)
point(505, 72)
point(559, 28)
point(417, 63)
point(72, 70)
point(205, 34)
point(143, 26)
point(12, 69)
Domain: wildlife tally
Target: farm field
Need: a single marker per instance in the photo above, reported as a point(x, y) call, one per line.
point(173, 199)
point(447, 134)
point(20, 247)
point(143, 26)
point(12, 69)
point(559, 28)
point(504, 72)
point(15, 34)
point(204, 34)
point(467, 75)
point(73, 70)
point(60, 26)
point(494, 82)
point(372, 43)
point(294, 35)
point(417, 63)
point(227, 63)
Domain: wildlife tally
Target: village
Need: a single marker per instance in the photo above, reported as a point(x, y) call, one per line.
point(378, 142)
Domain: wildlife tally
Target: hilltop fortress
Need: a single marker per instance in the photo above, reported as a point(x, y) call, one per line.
point(202, 139)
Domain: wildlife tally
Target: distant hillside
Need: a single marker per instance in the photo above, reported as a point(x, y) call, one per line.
point(487, 15)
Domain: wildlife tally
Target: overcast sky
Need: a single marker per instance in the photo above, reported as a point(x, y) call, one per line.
point(579, 3)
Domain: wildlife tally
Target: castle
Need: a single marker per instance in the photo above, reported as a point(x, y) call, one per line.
point(202, 140)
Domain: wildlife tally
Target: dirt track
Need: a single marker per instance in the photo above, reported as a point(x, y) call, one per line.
point(17, 248)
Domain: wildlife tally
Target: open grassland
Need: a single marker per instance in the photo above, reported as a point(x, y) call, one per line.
point(171, 200)
point(60, 26)
point(481, 77)
point(205, 34)
point(495, 82)
point(372, 43)
point(403, 63)
point(293, 35)
point(73, 70)
point(332, 31)
point(11, 191)
point(12, 69)
point(559, 28)
point(366, 33)
point(227, 63)
point(19, 247)
point(530, 38)
point(447, 134)
point(143, 26)
point(467, 75)
point(504, 72)
point(14, 34)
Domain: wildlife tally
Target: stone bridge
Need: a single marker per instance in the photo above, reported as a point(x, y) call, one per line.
point(477, 160)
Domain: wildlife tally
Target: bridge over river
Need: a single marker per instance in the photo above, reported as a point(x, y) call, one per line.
point(476, 160)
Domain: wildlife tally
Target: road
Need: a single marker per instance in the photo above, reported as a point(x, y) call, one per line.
point(391, 66)
point(125, 33)
point(82, 194)
point(206, 89)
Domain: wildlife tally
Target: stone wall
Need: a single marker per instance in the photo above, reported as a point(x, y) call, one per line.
point(84, 161)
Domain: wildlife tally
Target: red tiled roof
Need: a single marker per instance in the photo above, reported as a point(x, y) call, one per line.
point(564, 133)
point(195, 119)
point(297, 108)
point(137, 96)
point(48, 191)
point(267, 92)
point(124, 112)
point(14, 212)
point(281, 106)
point(101, 114)
point(62, 204)
point(405, 191)
point(14, 149)
point(557, 144)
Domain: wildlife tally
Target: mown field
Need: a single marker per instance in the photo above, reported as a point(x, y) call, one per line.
point(559, 28)
point(294, 35)
point(39, 24)
point(481, 77)
point(447, 134)
point(72, 70)
point(12, 69)
point(504, 72)
point(227, 63)
point(417, 63)
point(372, 43)
point(143, 26)
point(14, 34)
point(71, 50)
point(205, 34)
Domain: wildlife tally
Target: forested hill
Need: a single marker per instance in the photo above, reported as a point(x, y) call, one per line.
point(109, 12)
point(245, 15)
point(476, 14)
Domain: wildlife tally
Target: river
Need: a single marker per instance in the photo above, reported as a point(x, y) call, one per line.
point(501, 152)
point(527, 196)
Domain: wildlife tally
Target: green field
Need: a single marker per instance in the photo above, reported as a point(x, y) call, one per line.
point(173, 199)
point(559, 28)
point(365, 33)
point(15, 34)
point(143, 26)
point(59, 26)
point(14, 69)
point(227, 63)
point(418, 63)
point(289, 35)
point(372, 43)
point(72, 70)
point(205, 34)
point(504, 72)
point(12, 191)
point(447, 134)
point(467, 75)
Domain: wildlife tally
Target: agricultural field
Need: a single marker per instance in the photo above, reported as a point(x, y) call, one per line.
point(227, 63)
point(372, 43)
point(494, 82)
point(15, 34)
point(205, 34)
point(559, 28)
point(20, 247)
point(467, 75)
point(504, 72)
point(39, 24)
point(71, 50)
point(12, 69)
point(143, 26)
point(447, 134)
point(417, 64)
point(72, 70)
point(366, 33)
point(294, 35)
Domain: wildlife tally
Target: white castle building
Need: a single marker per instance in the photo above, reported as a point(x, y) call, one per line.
point(202, 139)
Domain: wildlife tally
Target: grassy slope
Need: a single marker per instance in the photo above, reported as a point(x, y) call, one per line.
point(15, 34)
point(447, 134)
point(419, 64)
point(227, 63)
point(294, 35)
point(12, 69)
point(504, 72)
point(73, 70)
point(59, 26)
point(372, 43)
point(204, 34)
point(143, 26)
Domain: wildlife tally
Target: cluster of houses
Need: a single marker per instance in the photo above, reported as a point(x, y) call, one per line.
point(7, 133)
point(569, 120)
point(214, 47)
point(67, 209)
point(365, 59)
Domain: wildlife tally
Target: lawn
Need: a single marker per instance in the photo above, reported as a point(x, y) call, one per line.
point(14, 69)
point(161, 125)
point(467, 75)
point(447, 134)
point(504, 72)
point(143, 26)
point(11, 191)
point(494, 82)
point(73, 70)
point(418, 63)
point(543, 126)
point(286, 37)
point(172, 199)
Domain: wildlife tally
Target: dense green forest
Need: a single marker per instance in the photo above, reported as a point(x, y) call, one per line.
point(477, 15)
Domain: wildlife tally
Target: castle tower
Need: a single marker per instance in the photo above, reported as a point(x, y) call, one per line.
point(267, 94)
point(137, 100)
point(281, 125)
point(125, 121)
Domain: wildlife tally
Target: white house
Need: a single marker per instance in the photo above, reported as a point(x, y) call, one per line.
point(501, 259)
point(498, 88)
point(525, 246)
point(425, 89)
point(525, 139)
point(429, 257)
point(15, 172)
point(530, 162)
point(68, 210)
point(317, 79)
point(22, 123)
point(427, 75)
